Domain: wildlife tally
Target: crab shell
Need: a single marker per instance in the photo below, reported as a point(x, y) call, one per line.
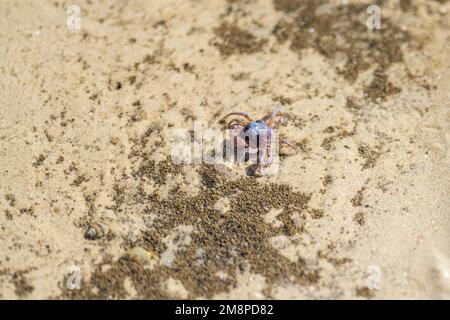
point(259, 138)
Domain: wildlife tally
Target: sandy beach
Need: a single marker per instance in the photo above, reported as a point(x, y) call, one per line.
point(92, 205)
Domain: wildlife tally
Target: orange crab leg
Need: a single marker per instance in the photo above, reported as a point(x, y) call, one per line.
point(243, 114)
point(277, 122)
point(285, 142)
point(236, 121)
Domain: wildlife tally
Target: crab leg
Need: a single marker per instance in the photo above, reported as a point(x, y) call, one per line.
point(272, 117)
point(235, 129)
point(265, 160)
point(243, 114)
point(238, 122)
point(275, 112)
point(241, 149)
point(285, 142)
point(277, 122)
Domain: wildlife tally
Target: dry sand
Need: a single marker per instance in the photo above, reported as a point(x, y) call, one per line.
point(86, 122)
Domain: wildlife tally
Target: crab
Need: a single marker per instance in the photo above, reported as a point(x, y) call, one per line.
point(256, 137)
